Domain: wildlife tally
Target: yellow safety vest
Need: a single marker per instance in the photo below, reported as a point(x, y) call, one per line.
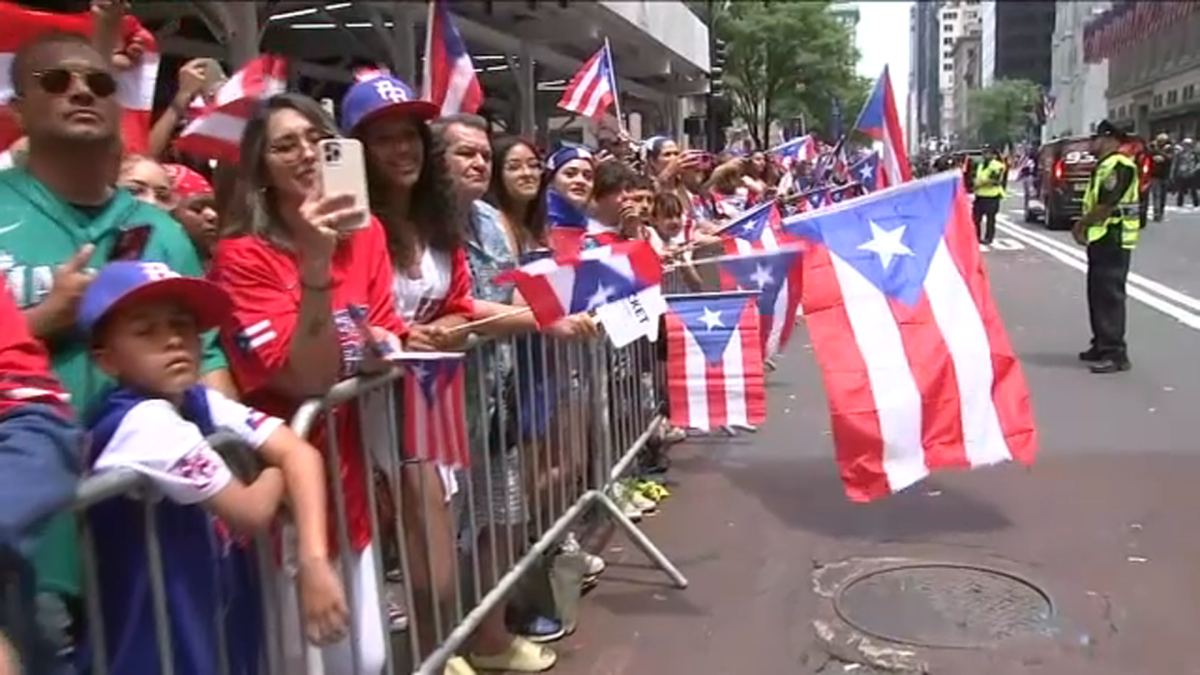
point(982, 187)
point(1126, 213)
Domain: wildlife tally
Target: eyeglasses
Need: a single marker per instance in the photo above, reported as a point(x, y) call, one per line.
point(57, 81)
point(290, 148)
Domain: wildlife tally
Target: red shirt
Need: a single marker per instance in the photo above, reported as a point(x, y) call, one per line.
point(25, 375)
point(264, 284)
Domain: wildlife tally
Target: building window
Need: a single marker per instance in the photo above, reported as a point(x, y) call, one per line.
point(947, 28)
point(1112, 115)
point(1172, 97)
point(1189, 92)
point(1121, 113)
point(947, 67)
point(1158, 100)
point(948, 41)
point(949, 16)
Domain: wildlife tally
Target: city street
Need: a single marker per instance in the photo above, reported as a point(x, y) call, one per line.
point(1104, 524)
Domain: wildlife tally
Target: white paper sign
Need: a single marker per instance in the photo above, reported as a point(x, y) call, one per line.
point(626, 321)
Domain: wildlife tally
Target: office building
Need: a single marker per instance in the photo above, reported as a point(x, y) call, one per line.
point(1015, 40)
point(1077, 88)
point(965, 59)
point(925, 67)
point(957, 19)
point(1152, 82)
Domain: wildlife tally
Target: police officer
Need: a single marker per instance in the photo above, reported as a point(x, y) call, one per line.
point(1109, 228)
point(988, 183)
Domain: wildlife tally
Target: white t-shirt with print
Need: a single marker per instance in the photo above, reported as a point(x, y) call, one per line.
point(154, 440)
point(418, 298)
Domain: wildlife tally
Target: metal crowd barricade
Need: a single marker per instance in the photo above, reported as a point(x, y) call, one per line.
point(554, 427)
point(123, 483)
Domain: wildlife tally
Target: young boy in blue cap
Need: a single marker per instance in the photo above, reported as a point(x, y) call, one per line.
point(145, 323)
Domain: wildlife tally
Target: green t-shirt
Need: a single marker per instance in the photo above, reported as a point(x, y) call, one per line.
point(38, 232)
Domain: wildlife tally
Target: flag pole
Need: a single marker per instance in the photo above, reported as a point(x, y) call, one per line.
point(616, 93)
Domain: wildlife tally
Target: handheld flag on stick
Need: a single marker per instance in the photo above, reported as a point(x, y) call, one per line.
point(880, 120)
point(594, 87)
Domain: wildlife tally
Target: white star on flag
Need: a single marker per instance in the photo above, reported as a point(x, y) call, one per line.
point(711, 319)
point(761, 276)
point(886, 244)
point(864, 171)
point(600, 297)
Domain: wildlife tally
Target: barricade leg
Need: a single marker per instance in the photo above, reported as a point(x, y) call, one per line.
point(604, 443)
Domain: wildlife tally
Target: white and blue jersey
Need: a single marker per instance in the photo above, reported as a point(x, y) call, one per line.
point(206, 574)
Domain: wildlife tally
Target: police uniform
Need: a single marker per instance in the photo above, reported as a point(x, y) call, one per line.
point(1113, 183)
point(988, 184)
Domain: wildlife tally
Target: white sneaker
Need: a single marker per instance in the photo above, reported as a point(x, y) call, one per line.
point(593, 564)
point(621, 496)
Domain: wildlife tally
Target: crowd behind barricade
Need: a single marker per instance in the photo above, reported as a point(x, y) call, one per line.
point(156, 302)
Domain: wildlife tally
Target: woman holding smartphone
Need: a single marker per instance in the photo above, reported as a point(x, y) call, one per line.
point(298, 270)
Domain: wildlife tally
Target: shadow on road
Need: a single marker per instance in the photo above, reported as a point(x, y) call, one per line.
point(809, 496)
point(1052, 360)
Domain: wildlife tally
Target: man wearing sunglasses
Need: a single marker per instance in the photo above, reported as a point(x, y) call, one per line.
point(60, 218)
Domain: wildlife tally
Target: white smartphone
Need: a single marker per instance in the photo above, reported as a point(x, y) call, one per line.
point(343, 171)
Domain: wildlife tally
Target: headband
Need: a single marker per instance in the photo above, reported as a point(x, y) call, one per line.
point(186, 182)
point(565, 154)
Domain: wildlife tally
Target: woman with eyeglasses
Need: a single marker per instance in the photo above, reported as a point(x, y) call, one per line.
point(301, 275)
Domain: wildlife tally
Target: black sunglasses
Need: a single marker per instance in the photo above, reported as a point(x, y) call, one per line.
point(57, 81)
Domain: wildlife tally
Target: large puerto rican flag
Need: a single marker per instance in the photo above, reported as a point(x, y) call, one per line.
point(136, 85)
point(449, 77)
point(918, 368)
point(880, 120)
point(714, 366)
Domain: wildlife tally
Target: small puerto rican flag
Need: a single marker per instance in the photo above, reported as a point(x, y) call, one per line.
point(252, 337)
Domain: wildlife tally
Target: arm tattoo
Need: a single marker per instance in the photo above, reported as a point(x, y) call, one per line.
point(316, 325)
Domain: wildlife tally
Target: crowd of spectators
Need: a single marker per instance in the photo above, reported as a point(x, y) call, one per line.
point(154, 298)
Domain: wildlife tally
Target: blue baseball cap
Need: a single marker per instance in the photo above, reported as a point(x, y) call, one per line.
point(379, 93)
point(121, 284)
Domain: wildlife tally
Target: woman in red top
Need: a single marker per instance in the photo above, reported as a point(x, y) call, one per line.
point(298, 279)
point(413, 198)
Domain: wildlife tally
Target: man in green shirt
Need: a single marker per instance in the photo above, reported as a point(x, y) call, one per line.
point(60, 219)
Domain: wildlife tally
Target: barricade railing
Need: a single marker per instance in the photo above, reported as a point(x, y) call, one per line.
point(127, 483)
point(553, 427)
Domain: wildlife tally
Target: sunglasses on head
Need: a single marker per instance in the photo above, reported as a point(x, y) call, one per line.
point(57, 81)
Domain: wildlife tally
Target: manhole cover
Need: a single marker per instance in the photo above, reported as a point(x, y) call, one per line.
point(944, 605)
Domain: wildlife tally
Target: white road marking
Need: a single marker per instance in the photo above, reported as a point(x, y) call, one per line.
point(1006, 244)
point(1147, 291)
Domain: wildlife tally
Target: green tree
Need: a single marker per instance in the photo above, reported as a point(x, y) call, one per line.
point(1004, 112)
point(786, 60)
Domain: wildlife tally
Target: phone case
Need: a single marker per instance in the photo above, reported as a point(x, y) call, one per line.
point(343, 171)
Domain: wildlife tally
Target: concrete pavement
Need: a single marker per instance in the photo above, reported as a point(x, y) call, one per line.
point(1104, 523)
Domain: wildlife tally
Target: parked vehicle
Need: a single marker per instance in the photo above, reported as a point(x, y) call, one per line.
point(1063, 168)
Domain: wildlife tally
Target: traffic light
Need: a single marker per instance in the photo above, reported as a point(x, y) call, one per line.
point(720, 51)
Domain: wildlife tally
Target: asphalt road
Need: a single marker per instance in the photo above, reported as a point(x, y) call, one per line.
point(1105, 522)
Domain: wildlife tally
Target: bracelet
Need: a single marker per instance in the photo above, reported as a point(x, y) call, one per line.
point(316, 287)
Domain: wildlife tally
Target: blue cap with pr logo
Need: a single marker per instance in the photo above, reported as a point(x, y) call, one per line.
point(121, 284)
point(378, 93)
